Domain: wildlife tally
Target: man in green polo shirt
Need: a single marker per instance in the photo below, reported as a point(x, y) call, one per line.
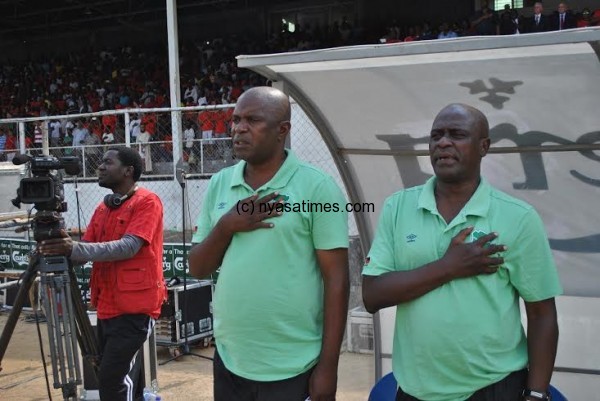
point(454, 256)
point(281, 298)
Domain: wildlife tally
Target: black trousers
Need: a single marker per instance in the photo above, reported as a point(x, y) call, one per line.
point(120, 339)
point(507, 389)
point(230, 387)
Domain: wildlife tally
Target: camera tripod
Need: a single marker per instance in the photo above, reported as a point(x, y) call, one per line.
point(67, 320)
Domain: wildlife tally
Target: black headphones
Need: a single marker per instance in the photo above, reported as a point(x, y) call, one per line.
point(114, 201)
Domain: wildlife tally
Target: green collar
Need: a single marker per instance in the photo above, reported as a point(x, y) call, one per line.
point(478, 205)
point(279, 180)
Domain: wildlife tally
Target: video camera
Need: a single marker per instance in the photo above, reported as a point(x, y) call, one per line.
point(45, 190)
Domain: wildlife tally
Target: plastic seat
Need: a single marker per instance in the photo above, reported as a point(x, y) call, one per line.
point(557, 395)
point(385, 390)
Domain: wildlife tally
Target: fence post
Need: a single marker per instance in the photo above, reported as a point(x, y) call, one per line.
point(22, 137)
point(174, 84)
point(45, 139)
point(127, 132)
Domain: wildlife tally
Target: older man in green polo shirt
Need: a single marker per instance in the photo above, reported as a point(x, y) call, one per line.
point(454, 256)
point(282, 294)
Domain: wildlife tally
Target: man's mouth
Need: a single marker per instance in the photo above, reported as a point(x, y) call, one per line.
point(445, 156)
point(240, 143)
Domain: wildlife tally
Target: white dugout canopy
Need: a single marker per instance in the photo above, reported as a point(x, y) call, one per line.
point(374, 106)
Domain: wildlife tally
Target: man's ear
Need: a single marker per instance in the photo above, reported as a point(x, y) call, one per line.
point(284, 130)
point(484, 146)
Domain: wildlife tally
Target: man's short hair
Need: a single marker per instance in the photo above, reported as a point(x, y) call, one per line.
point(129, 157)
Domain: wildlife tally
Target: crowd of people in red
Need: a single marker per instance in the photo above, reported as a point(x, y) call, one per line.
point(136, 77)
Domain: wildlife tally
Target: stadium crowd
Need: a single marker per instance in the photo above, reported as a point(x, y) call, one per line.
point(137, 77)
point(488, 22)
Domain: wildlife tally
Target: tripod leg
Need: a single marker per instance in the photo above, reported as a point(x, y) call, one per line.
point(11, 322)
point(85, 332)
point(51, 303)
point(74, 368)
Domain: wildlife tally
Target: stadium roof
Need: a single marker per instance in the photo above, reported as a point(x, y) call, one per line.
point(22, 19)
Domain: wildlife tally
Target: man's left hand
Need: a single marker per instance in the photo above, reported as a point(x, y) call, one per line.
point(322, 384)
point(57, 246)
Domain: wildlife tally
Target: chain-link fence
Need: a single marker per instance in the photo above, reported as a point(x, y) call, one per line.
point(204, 142)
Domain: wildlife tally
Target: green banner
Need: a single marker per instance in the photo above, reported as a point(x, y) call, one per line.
point(173, 260)
point(14, 255)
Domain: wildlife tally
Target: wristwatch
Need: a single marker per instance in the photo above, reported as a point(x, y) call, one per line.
point(536, 395)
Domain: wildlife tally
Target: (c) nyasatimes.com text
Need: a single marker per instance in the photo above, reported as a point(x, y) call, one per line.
point(303, 207)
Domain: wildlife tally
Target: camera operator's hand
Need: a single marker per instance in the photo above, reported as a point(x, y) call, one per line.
point(56, 246)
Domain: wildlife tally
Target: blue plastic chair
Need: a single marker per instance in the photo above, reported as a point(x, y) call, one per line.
point(385, 390)
point(557, 395)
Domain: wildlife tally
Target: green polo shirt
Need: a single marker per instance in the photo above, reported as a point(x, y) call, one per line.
point(268, 301)
point(466, 334)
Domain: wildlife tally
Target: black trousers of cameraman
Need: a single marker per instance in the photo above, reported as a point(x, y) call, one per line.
point(121, 339)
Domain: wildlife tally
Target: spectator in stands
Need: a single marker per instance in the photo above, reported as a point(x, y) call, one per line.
point(427, 33)
point(538, 21)
point(67, 142)
point(144, 148)
point(484, 21)
point(3, 138)
point(134, 128)
point(445, 32)
point(563, 18)
point(411, 36)
point(108, 137)
point(93, 154)
point(38, 138)
point(55, 129)
point(80, 135)
point(207, 126)
point(191, 91)
point(586, 18)
point(10, 146)
point(189, 136)
point(595, 21)
point(509, 22)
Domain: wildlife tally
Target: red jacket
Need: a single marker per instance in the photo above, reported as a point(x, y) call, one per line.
point(135, 285)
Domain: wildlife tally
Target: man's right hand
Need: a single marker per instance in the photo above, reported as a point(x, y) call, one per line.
point(249, 214)
point(57, 246)
point(470, 259)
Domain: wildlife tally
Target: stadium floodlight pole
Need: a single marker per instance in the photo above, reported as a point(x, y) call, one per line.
point(174, 84)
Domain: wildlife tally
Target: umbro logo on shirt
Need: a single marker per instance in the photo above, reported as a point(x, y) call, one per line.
point(281, 197)
point(476, 234)
point(411, 238)
point(221, 205)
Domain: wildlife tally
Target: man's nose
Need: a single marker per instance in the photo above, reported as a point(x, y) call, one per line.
point(240, 126)
point(444, 141)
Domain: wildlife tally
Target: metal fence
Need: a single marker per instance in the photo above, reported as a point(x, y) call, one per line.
point(203, 143)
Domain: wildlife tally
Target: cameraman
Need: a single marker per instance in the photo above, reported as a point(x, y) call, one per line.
point(125, 241)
